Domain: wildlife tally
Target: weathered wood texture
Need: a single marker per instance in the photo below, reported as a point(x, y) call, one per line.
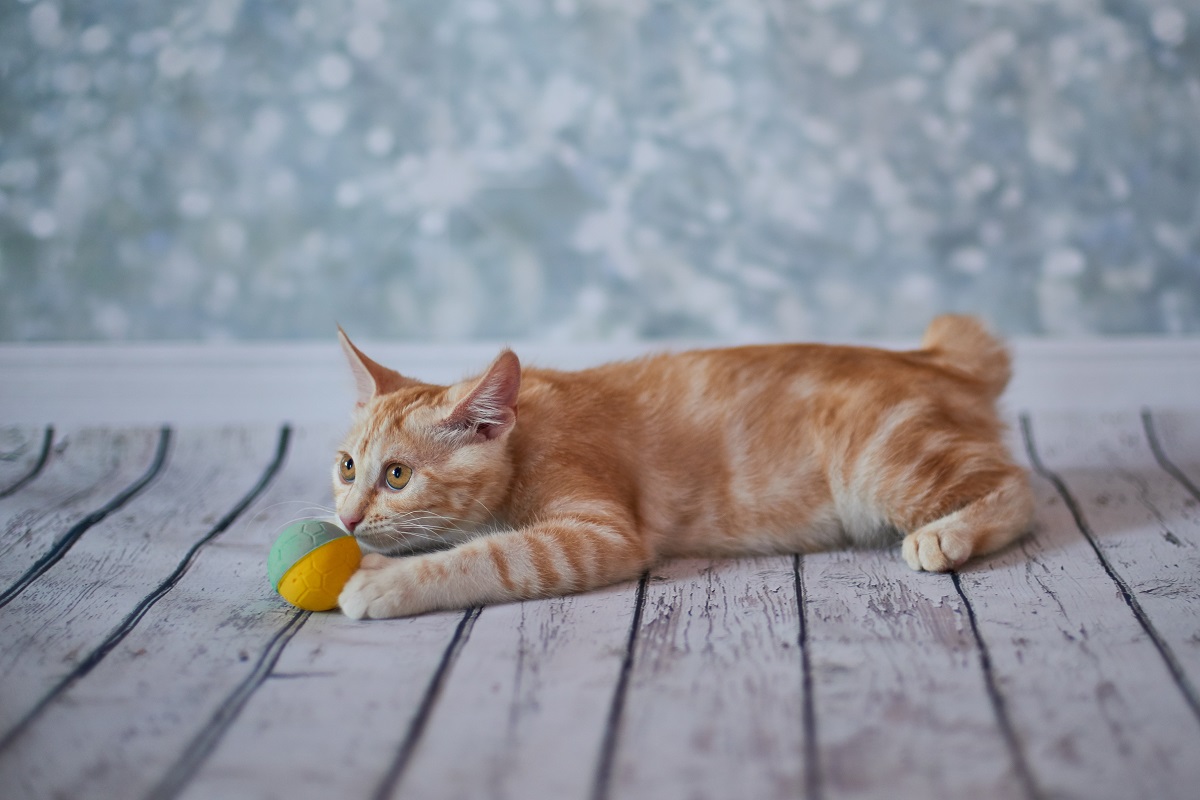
point(135, 720)
point(714, 707)
point(332, 714)
point(528, 698)
point(1176, 437)
point(89, 473)
point(901, 703)
point(152, 659)
point(1091, 701)
point(1144, 523)
point(118, 563)
point(23, 451)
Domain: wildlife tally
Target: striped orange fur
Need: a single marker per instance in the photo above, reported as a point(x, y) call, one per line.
point(530, 483)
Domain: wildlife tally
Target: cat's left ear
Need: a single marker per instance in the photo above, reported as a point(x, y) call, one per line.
point(370, 379)
point(489, 409)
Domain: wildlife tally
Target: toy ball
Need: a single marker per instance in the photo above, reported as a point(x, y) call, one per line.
point(310, 562)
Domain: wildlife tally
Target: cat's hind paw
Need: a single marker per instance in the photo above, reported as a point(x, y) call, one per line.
point(934, 551)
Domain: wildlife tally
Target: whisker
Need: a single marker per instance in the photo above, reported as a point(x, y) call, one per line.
point(492, 516)
point(426, 513)
point(265, 528)
point(309, 506)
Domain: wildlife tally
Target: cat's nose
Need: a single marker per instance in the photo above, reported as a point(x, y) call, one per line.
point(350, 522)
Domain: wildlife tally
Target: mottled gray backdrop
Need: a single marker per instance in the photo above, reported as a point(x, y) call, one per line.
point(437, 170)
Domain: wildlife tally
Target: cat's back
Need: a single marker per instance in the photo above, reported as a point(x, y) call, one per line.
point(697, 385)
point(797, 370)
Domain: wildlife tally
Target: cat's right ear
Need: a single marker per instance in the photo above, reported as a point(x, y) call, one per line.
point(370, 379)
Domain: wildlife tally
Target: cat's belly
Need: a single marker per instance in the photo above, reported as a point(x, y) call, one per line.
point(780, 528)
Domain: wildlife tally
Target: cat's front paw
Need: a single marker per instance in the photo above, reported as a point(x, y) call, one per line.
point(379, 590)
point(372, 561)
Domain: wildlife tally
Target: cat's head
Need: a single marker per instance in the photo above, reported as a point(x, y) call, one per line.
point(423, 465)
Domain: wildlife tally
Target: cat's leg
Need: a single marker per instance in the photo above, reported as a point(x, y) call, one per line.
point(554, 557)
point(1000, 515)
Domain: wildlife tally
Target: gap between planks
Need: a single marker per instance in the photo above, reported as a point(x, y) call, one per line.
point(1182, 682)
point(40, 462)
point(126, 625)
point(63, 544)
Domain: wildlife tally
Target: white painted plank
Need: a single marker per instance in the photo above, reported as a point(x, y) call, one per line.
point(88, 469)
point(1146, 523)
point(1178, 435)
point(222, 383)
point(528, 699)
point(1109, 374)
point(121, 560)
point(1090, 699)
point(901, 703)
point(245, 383)
point(714, 706)
point(121, 729)
point(21, 448)
point(333, 714)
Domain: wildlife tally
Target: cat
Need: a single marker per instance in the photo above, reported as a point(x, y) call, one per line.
point(526, 483)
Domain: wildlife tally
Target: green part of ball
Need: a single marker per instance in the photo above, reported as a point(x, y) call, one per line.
point(296, 541)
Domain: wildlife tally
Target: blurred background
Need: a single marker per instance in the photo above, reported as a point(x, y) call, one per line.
point(596, 170)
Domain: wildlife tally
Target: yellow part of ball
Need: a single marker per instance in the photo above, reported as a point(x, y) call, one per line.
point(315, 581)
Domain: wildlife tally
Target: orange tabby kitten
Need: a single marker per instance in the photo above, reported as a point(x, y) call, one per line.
point(532, 482)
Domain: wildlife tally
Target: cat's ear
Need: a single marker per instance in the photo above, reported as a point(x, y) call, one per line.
point(489, 409)
point(370, 379)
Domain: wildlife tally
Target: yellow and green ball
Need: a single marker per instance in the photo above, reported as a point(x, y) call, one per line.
point(310, 562)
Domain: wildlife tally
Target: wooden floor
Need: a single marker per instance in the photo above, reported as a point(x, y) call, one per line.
point(143, 655)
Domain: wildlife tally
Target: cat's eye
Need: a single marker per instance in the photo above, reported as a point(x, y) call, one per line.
point(397, 476)
point(347, 469)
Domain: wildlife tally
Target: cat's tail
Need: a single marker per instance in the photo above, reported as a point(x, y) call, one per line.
point(964, 344)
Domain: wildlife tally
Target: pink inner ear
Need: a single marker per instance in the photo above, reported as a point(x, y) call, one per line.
point(490, 408)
